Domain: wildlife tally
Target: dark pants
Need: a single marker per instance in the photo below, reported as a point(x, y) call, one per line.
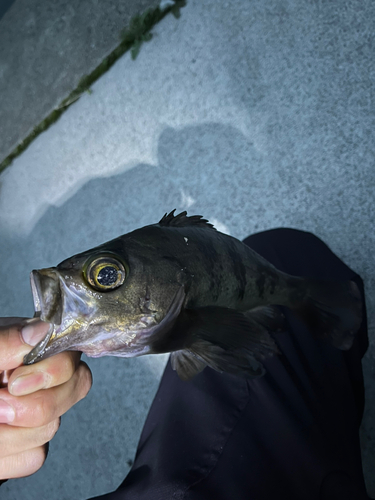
point(292, 434)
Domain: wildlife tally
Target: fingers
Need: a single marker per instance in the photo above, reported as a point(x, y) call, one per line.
point(32, 398)
point(47, 373)
point(15, 341)
point(41, 407)
point(23, 464)
point(15, 440)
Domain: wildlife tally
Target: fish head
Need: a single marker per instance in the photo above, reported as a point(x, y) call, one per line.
point(107, 301)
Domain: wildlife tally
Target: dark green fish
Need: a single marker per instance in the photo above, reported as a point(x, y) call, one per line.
point(180, 286)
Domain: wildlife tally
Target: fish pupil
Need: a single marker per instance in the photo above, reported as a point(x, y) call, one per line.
point(107, 276)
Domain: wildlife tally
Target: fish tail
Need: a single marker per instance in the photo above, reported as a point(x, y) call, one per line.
point(332, 311)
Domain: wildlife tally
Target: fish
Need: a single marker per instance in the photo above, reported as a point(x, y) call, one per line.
point(182, 287)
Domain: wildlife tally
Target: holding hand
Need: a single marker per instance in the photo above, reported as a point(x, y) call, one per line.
point(33, 397)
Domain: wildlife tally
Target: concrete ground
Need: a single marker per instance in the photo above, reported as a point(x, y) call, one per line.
point(46, 48)
point(254, 114)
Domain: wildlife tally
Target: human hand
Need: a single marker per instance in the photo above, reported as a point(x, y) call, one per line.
point(33, 397)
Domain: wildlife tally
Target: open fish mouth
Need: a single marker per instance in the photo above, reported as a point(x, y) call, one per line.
point(45, 286)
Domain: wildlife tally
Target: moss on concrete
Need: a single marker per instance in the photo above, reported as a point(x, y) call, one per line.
point(132, 38)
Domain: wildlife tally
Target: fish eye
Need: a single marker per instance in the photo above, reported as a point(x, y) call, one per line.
point(105, 273)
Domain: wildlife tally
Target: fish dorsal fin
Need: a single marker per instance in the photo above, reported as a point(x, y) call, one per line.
point(183, 220)
point(186, 364)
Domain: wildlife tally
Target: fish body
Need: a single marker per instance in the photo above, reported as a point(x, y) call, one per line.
point(180, 286)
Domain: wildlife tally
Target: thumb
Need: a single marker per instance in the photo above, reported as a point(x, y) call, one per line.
point(17, 338)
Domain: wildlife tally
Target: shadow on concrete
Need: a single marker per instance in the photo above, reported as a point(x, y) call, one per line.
point(5, 6)
point(188, 173)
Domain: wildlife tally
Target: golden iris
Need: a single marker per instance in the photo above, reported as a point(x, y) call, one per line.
point(105, 273)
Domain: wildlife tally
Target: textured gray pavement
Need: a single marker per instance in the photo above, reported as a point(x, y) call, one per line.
point(5, 6)
point(254, 114)
point(46, 47)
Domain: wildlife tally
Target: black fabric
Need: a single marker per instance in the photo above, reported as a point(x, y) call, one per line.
point(292, 434)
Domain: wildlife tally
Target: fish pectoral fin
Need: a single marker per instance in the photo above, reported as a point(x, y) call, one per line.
point(270, 317)
point(234, 361)
point(187, 364)
point(229, 340)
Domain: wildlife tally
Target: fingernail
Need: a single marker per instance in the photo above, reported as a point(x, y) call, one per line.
point(34, 332)
point(7, 413)
point(26, 384)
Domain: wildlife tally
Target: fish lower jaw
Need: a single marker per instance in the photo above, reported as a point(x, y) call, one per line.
point(37, 353)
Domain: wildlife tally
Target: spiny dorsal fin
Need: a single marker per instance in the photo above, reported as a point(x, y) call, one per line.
point(182, 220)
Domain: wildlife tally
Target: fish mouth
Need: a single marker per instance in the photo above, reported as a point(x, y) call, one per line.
point(64, 308)
point(46, 290)
point(38, 353)
point(45, 286)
